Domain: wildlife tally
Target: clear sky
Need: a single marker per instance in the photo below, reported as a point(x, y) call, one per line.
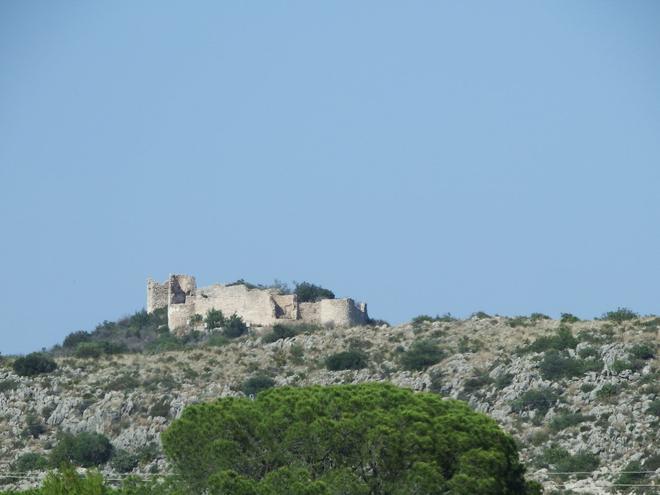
point(424, 157)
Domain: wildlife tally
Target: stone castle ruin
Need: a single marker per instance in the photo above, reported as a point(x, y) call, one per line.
point(257, 306)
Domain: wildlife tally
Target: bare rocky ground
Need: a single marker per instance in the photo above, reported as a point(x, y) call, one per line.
point(604, 419)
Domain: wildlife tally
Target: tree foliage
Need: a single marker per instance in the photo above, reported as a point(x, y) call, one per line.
point(307, 292)
point(360, 439)
point(34, 364)
point(84, 449)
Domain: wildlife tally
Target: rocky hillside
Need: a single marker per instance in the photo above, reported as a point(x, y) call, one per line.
point(580, 397)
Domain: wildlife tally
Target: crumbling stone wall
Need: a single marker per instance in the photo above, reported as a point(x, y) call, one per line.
point(157, 295)
point(260, 307)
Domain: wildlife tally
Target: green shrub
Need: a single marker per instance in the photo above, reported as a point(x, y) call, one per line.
point(29, 462)
point(165, 342)
point(588, 352)
point(161, 408)
point(34, 364)
point(621, 365)
point(479, 379)
point(72, 340)
point(504, 380)
point(123, 461)
point(280, 332)
point(620, 315)
point(214, 319)
point(445, 318)
point(217, 340)
point(350, 439)
point(608, 392)
point(89, 350)
point(562, 340)
point(582, 462)
point(642, 351)
point(587, 387)
point(633, 474)
point(347, 360)
point(8, 385)
point(84, 449)
point(234, 327)
point(147, 453)
point(256, 384)
point(34, 426)
point(538, 399)
point(534, 317)
point(421, 355)
point(654, 408)
point(555, 365)
point(518, 321)
point(569, 318)
point(480, 315)
point(566, 420)
point(122, 383)
point(307, 292)
point(564, 462)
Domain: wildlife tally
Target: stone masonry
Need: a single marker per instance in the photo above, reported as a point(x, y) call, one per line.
point(258, 307)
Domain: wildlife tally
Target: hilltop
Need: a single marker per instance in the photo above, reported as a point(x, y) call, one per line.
point(576, 395)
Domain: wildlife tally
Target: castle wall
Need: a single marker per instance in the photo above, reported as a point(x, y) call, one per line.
point(310, 312)
point(156, 295)
point(255, 306)
point(178, 316)
point(342, 312)
point(260, 307)
point(286, 306)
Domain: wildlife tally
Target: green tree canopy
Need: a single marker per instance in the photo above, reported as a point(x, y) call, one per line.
point(373, 439)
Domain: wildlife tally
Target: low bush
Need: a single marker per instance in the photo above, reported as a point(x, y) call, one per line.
point(307, 292)
point(563, 339)
point(234, 327)
point(503, 380)
point(642, 351)
point(588, 352)
point(34, 426)
point(421, 355)
point(347, 360)
point(122, 383)
point(256, 384)
point(214, 319)
point(537, 399)
point(608, 392)
point(563, 461)
point(89, 350)
point(569, 318)
point(633, 474)
point(29, 462)
point(217, 340)
point(34, 364)
point(445, 318)
point(621, 365)
point(123, 461)
point(620, 315)
point(8, 385)
point(555, 365)
point(72, 340)
point(161, 408)
point(479, 379)
point(280, 332)
point(566, 420)
point(654, 408)
point(84, 449)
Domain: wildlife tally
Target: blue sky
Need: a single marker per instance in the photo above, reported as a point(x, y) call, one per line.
point(425, 157)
